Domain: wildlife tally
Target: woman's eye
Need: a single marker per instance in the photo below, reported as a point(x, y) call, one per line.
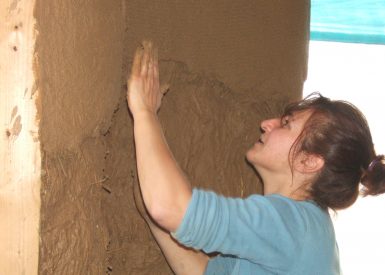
point(284, 121)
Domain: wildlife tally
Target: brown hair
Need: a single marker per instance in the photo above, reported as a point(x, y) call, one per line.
point(338, 132)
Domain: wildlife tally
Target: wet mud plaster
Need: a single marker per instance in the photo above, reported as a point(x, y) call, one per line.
point(78, 65)
point(229, 65)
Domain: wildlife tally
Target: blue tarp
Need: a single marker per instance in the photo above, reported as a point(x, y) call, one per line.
point(357, 21)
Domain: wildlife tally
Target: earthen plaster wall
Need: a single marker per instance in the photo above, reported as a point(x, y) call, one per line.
point(78, 59)
point(229, 64)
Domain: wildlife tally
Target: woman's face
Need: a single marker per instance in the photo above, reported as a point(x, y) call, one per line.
point(271, 151)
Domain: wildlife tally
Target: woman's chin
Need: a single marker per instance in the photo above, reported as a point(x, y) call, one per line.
point(250, 156)
point(253, 160)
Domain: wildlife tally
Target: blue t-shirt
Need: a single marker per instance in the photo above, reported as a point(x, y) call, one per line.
point(269, 234)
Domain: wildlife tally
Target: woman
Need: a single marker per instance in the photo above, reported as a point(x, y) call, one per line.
point(311, 159)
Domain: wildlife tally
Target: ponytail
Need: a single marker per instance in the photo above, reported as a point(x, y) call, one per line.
point(374, 177)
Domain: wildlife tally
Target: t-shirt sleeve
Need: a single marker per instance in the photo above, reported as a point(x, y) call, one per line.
point(220, 266)
point(263, 229)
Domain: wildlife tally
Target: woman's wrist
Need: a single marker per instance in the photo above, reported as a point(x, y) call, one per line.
point(144, 114)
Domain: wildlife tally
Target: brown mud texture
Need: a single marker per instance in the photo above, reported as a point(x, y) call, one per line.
point(229, 65)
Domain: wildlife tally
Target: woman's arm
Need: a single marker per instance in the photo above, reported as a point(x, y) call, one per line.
point(181, 260)
point(166, 191)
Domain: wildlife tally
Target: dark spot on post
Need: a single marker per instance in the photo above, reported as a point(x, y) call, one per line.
point(14, 112)
point(8, 133)
point(16, 28)
point(17, 126)
point(14, 48)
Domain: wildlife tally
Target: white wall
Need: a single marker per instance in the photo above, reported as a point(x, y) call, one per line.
point(356, 73)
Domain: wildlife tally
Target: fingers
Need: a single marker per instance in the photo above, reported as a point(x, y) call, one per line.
point(150, 64)
point(147, 57)
point(144, 58)
point(144, 90)
point(136, 65)
point(155, 68)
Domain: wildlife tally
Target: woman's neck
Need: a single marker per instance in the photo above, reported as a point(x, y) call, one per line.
point(287, 186)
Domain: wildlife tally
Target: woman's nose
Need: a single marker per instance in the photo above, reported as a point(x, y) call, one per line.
point(269, 124)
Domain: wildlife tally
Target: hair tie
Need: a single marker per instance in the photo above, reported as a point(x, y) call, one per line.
point(374, 162)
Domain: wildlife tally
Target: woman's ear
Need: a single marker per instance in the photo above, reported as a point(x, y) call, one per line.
point(308, 163)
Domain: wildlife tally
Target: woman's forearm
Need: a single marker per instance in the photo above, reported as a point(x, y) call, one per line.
point(182, 260)
point(165, 189)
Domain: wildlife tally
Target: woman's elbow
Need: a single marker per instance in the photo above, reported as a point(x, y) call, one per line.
point(169, 215)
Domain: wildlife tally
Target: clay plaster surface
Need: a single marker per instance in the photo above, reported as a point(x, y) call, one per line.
point(229, 64)
point(79, 56)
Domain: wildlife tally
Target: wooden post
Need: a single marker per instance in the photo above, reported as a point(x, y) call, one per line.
point(19, 144)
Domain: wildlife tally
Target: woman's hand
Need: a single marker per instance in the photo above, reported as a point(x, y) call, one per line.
point(144, 93)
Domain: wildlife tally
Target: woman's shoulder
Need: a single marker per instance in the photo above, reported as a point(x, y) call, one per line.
point(305, 211)
point(286, 202)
